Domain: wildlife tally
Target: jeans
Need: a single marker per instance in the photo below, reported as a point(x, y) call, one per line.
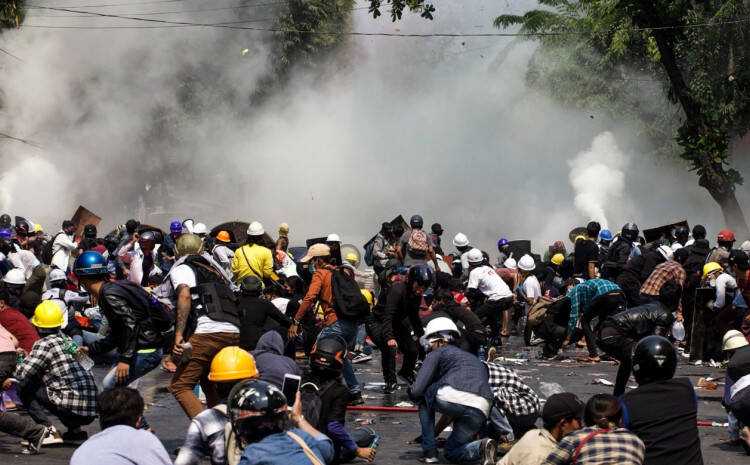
point(17, 425)
point(467, 421)
point(38, 405)
point(142, 364)
point(347, 330)
point(619, 346)
point(361, 337)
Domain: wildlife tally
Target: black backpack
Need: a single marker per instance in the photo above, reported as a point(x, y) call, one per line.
point(47, 250)
point(161, 317)
point(348, 301)
point(312, 403)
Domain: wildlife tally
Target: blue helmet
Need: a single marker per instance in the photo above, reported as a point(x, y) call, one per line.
point(605, 235)
point(91, 264)
point(5, 233)
point(175, 226)
point(420, 274)
point(502, 242)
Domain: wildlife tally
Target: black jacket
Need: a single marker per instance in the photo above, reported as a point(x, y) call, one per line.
point(644, 320)
point(473, 326)
point(399, 308)
point(618, 255)
point(256, 317)
point(698, 252)
point(131, 328)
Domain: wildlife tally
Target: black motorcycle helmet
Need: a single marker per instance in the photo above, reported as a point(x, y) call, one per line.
point(654, 359)
point(328, 355)
point(681, 233)
point(252, 285)
point(416, 222)
point(89, 231)
point(630, 232)
point(256, 409)
point(420, 274)
point(5, 221)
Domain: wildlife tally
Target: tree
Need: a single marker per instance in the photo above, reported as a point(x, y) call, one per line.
point(12, 13)
point(697, 51)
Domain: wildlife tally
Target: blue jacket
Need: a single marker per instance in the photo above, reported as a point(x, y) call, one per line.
point(451, 366)
point(280, 449)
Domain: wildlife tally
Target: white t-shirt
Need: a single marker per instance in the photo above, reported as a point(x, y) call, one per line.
point(489, 283)
point(183, 274)
point(469, 399)
point(280, 303)
point(531, 287)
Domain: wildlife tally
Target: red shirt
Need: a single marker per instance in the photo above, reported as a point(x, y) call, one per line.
point(19, 326)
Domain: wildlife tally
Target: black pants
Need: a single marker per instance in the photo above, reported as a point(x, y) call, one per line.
point(620, 346)
point(491, 311)
point(553, 335)
point(601, 307)
point(38, 405)
point(406, 345)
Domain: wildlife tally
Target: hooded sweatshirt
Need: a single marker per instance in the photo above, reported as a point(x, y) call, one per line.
point(271, 364)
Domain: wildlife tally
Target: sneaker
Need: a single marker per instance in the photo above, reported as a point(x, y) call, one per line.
point(75, 435)
point(356, 399)
point(390, 388)
point(487, 451)
point(50, 437)
point(361, 357)
point(35, 445)
point(491, 354)
point(429, 456)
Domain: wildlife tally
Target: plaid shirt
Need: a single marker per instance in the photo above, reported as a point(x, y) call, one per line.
point(512, 395)
point(618, 446)
point(583, 294)
point(205, 438)
point(667, 271)
point(69, 386)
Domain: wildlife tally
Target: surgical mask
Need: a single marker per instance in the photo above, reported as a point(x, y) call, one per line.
point(311, 267)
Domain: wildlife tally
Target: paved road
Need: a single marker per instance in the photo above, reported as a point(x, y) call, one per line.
point(397, 428)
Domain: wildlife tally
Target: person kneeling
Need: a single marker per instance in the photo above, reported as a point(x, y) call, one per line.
point(453, 382)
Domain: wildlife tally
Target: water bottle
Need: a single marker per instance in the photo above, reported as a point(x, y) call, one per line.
point(678, 331)
point(86, 362)
point(482, 353)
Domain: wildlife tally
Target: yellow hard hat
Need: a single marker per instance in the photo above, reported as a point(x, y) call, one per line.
point(232, 364)
point(710, 267)
point(223, 236)
point(47, 315)
point(557, 259)
point(351, 257)
point(368, 296)
point(38, 228)
point(188, 244)
point(580, 238)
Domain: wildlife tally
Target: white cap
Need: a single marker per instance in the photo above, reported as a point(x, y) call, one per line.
point(510, 263)
point(526, 263)
point(474, 256)
point(745, 247)
point(733, 339)
point(460, 240)
point(57, 274)
point(666, 252)
point(333, 238)
point(200, 228)
point(255, 229)
point(14, 276)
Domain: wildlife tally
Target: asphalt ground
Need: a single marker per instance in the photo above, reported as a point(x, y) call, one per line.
point(397, 429)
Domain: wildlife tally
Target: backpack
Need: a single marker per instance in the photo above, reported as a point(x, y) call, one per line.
point(418, 243)
point(161, 317)
point(48, 250)
point(219, 302)
point(348, 301)
point(538, 311)
point(312, 403)
point(369, 253)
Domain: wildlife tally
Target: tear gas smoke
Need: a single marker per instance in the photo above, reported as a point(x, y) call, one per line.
point(445, 127)
point(597, 177)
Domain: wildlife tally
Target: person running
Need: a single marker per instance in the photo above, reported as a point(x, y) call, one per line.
point(491, 298)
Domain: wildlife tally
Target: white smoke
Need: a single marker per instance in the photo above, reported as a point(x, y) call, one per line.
point(597, 177)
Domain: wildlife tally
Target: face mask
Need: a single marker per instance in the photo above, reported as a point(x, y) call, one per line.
point(312, 267)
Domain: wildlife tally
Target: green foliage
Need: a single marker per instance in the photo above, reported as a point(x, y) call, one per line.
point(12, 13)
point(425, 9)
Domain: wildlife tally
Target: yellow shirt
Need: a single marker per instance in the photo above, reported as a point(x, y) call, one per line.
point(253, 260)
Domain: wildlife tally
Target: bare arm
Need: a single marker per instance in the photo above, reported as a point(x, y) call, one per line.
point(184, 303)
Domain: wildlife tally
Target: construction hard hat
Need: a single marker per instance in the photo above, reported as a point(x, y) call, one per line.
point(351, 257)
point(175, 226)
point(726, 235)
point(526, 263)
point(14, 276)
point(232, 364)
point(441, 328)
point(368, 296)
point(188, 244)
point(502, 242)
point(333, 238)
point(474, 256)
point(90, 264)
point(223, 236)
point(57, 274)
point(558, 259)
point(199, 229)
point(316, 250)
point(580, 238)
point(416, 221)
point(255, 229)
point(510, 263)
point(666, 252)
point(710, 267)
point(283, 230)
point(38, 228)
point(47, 315)
point(745, 247)
point(605, 235)
point(733, 339)
point(460, 240)
point(6, 233)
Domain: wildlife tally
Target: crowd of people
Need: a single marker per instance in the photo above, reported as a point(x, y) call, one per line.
point(261, 345)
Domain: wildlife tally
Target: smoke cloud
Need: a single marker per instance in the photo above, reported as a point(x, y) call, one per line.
point(159, 123)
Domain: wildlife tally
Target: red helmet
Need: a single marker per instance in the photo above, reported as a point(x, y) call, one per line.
point(726, 235)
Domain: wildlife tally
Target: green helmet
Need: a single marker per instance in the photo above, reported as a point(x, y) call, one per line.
point(188, 244)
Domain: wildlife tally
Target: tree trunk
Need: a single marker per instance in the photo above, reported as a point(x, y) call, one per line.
point(721, 189)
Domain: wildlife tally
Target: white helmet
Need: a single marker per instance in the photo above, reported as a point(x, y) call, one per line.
point(510, 263)
point(460, 240)
point(745, 247)
point(526, 263)
point(199, 229)
point(441, 328)
point(14, 276)
point(474, 256)
point(733, 339)
point(57, 275)
point(255, 229)
point(333, 238)
point(665, 252)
